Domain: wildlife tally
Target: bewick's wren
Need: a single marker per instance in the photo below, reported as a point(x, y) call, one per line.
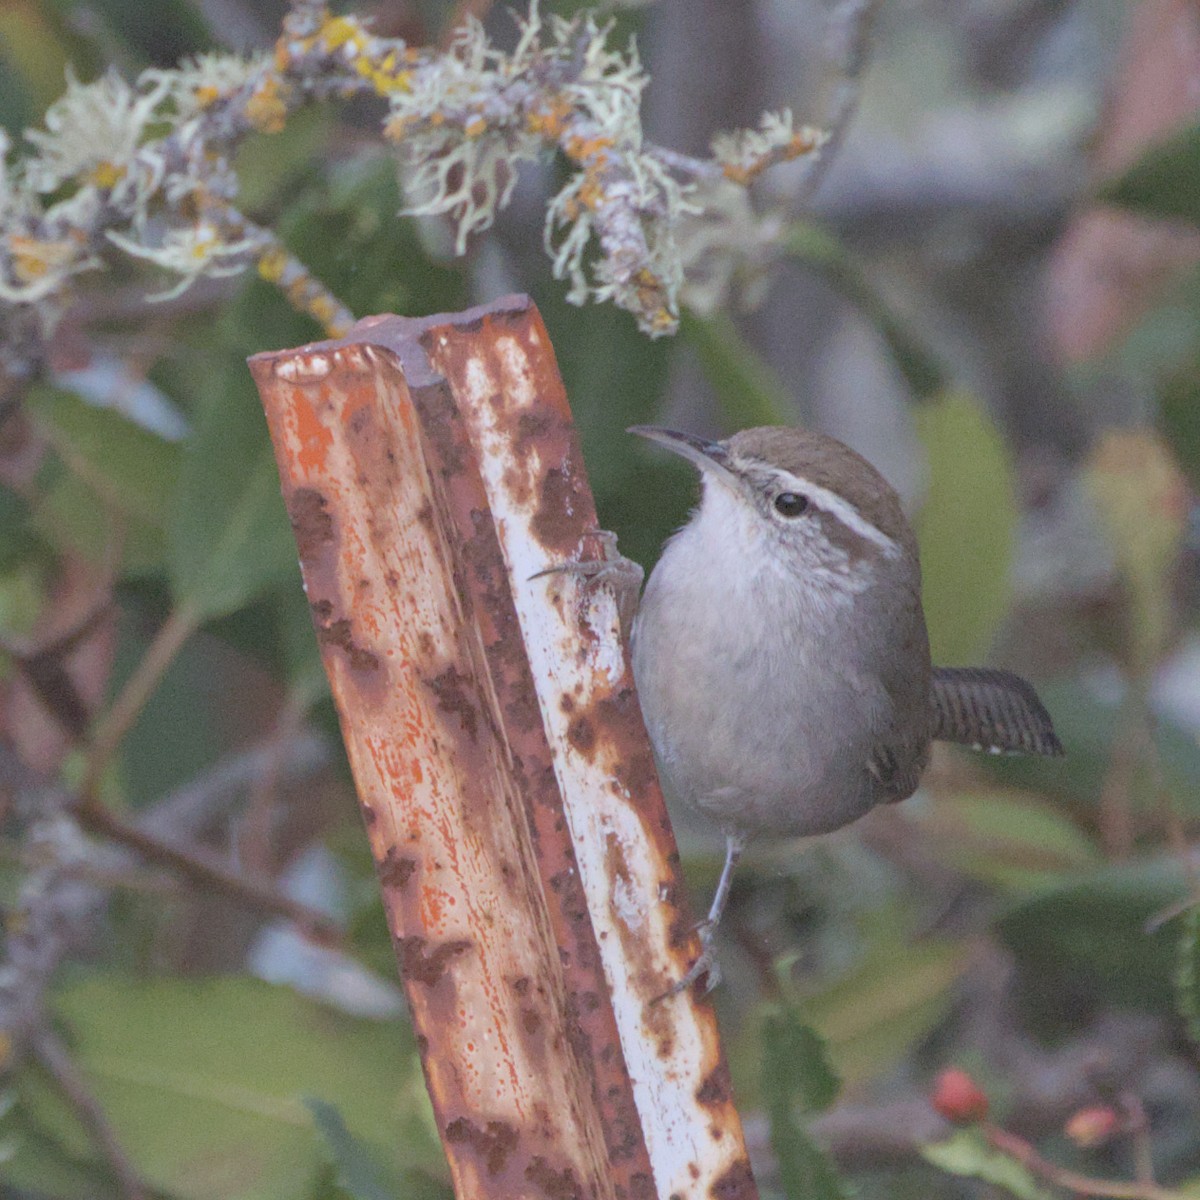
point(780, 649)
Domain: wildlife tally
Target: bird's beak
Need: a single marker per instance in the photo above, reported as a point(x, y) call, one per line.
point(710, 457)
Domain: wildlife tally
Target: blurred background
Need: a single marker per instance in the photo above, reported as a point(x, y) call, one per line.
point(991, 288)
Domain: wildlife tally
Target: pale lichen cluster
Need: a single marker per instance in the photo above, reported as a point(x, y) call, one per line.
point(146, 168)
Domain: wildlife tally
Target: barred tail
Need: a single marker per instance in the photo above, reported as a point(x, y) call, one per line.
point(991, 710)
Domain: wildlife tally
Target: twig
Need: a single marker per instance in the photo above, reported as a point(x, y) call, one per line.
point(53, 1055)
point(44, 669)
point(254, 835)
point(1138, 1125)
point(1113, 1189)
point(202, 867)
point(850, 39)
point(1116, 791)
point(111, 728)
point(462, 10)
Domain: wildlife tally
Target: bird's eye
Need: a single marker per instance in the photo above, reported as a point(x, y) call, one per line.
point(790, 504)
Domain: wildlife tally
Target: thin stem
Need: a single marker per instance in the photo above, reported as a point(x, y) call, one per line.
point(1113, 1189)
point(1139, 1131)
point(850, 34)
point(110, 728)
point(203, 868)
point(53, 1055)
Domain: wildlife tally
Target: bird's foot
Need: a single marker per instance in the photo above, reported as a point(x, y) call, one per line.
point(706, 966)
point(622, 574)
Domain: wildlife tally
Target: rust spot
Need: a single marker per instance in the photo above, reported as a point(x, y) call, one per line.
point(634, 760)
point(494, 1142)
point(418, 964)
point(567, 703)
point(521, 986)
point(531, 1020)
point(715, 1088)
point(532, 427)
point(369, 815)
point(454, 695)
point(311, 522)
point(736, 1184)
point(340, 634)
point(641, 1186)
point(581, 733)
point(556, 522)
point(395, 871)
point(558, 1185)
point(680, 932)
point(425, 513)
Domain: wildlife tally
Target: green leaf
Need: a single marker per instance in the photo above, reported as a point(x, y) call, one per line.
point(1164, 182)
point(797, 1077)
point(1187, 974)
point(204, 1083)
point(748, 391)
point(796, 1060)
point(822, 251)
point(1089, 935)
point(898, 991)
point(116, 471)
point(1142, 500)
point(1008, 839)
point(966, 527)
point(1087, 726)
point(355, 1172)
point(229, 539)
point(615, 378)
point(966, 1153)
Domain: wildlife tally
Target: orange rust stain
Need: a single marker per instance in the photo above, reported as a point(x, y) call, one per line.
point(434, 903)
point(313, 436)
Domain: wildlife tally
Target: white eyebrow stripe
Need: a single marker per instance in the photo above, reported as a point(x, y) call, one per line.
point(842, 509)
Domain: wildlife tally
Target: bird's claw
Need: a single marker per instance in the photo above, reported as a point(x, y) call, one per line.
point(611, 567)
point(706, 965)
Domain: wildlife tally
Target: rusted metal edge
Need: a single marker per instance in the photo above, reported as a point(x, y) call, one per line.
point(507, 478)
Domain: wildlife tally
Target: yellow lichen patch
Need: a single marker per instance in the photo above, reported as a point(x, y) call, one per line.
point(272, 264)
point(662, 321)
point(266, 109)
point(207, 95)
point(106, 174)
point(32, 259)
point(322, 309)
point(591, 193)
point(550, 122)
point(474, 127)
point(581, 149)
point(384, 77)
point(337, 31)
point(395, 128)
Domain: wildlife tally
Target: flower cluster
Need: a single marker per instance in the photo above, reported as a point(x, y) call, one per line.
point(146, 167)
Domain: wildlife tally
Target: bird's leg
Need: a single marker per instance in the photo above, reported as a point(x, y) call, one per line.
point(622, 574)
point(706, 963)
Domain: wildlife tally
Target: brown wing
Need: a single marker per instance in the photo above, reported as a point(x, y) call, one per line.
point(991, 710)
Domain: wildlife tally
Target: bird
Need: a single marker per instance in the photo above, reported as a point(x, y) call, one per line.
point(781, 656)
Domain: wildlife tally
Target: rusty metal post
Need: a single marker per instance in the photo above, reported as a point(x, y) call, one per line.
point(528, 869)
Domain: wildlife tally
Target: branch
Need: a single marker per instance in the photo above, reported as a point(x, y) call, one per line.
point(50, 1051)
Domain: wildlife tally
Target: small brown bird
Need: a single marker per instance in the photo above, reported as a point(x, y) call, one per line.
point(781, 654)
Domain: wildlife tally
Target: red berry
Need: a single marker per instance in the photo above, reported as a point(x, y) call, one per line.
point(958, 1098)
